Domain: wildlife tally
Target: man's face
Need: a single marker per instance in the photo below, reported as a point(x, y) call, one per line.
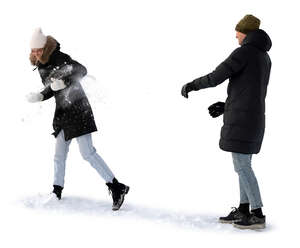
point(37, 53)
point(240, 36)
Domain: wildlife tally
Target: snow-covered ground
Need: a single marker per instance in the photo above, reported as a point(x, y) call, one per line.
point(138, 55)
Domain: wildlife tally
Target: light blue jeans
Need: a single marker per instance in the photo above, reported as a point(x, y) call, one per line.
point(249, 190)
point(88, 152)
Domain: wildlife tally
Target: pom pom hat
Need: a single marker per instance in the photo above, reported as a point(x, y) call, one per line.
point(38, 39)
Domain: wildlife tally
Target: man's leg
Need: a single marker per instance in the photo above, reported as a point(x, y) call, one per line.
point(237, 214)
point(243, 196)
point(249, 188)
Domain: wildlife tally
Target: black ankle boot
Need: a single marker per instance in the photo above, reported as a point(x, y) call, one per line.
point(57, 190)
point(251, 222)
point(244, 208)
point(234, 216)
point(118, 192)
point(257, 212)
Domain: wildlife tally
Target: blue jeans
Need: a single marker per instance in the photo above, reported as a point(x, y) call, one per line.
point(88, 152)
point(249, 190)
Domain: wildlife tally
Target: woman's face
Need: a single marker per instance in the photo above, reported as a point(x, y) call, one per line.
point(37, 53)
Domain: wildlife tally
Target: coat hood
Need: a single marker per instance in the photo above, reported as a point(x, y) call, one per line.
point(51, 47)
point(258, 38)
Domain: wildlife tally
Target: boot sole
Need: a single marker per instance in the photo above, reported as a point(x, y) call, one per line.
point(228, 221)
point(252, 227)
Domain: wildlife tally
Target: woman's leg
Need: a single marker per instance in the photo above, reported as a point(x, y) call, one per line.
point(89, 154)
point(61, 152)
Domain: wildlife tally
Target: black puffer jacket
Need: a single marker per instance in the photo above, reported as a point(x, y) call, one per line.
point(248, 69)
point(73, 112)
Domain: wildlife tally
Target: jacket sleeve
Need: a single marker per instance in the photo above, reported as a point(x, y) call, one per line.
point(47, 93)
point(232, 65)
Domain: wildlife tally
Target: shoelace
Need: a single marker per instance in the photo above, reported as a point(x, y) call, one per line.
point(234, 209)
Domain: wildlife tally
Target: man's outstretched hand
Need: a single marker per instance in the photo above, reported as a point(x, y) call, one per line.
point(186, 89)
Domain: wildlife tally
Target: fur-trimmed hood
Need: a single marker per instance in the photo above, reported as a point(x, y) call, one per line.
point(50, 46)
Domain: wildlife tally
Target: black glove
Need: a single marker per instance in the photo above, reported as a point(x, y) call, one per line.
point(216, 109)
point(186, 89)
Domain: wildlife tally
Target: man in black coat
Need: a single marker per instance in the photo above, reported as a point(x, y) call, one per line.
point(73, 116)
point(248, 70)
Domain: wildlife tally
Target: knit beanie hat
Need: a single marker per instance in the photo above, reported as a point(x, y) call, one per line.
point(38, 39)
point(247, 24)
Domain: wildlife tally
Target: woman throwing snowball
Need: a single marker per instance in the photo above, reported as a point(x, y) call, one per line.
point(73, 116)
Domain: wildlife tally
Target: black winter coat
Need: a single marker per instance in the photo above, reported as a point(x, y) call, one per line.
point(73, 113)
point(248, 69)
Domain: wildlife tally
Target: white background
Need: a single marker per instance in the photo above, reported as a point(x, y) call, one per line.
point(162, 145)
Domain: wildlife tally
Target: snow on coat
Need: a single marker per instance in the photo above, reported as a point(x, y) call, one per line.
point(73, 113)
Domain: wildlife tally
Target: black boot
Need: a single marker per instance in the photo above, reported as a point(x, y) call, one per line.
point(252, 222)
point(235, 215)
point(244, 208)
point(57, 190)
point(118, 192)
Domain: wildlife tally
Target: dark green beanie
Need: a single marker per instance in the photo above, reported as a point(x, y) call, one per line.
point(247, 24)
